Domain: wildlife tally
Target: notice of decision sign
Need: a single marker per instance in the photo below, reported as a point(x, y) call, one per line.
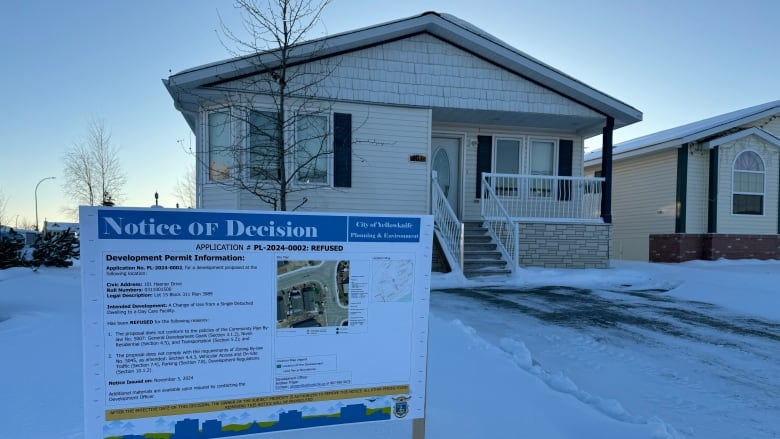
point(216, 324)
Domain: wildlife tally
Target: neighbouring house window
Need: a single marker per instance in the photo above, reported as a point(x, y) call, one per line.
point(748, 189)
point(264, 135)
point(220, 157)
point(507, 162)
point(542, 163)
point(311, 155)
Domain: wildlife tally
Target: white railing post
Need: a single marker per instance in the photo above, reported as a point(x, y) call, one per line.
point(500, 226)
point(462, 246)
point(448, 227)
point(516, 234)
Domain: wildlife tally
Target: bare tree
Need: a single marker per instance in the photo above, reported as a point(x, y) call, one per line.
point(4, 218)
point(93, 172)
point(186, 188)
point(269, 137)
point(24, 223)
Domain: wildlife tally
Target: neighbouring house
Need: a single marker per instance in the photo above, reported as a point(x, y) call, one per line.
point(428, 115)
point(27, 235)
point(705, 190)
point(54, 228)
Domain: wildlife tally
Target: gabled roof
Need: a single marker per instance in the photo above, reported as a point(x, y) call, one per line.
point(444, 26)
point(692, 132)
point(752, 131)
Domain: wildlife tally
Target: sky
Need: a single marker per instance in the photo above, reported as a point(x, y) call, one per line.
point(68, 63)
point(528, 392)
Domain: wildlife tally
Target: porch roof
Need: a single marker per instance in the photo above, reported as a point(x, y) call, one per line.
point(443, 26)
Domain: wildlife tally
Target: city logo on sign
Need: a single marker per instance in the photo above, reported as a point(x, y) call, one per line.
point(401, 407)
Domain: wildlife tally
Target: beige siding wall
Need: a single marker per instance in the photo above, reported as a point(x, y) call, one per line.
point(384, 180)
point(470, 202)
point(643, 202)
point(730, 223)
point(698, 188)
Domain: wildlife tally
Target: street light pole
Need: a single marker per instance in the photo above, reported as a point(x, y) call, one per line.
point(36, 199)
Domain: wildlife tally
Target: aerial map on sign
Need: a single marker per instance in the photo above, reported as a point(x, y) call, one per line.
point(312, 293)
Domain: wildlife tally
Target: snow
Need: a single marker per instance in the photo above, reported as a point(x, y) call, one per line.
point(690, 131)
point(489, 374)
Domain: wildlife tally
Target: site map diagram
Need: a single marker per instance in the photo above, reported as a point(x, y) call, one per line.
point(312, 294)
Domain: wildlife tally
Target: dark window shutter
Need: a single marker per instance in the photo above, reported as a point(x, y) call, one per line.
point(565, 156)
point(342, 150)
point(484, 159)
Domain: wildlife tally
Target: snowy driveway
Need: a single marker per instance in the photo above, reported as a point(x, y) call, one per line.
point(636, 355)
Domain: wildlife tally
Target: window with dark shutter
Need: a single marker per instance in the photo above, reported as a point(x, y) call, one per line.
point(342, 150)
point(484, 158)
point(565, 156)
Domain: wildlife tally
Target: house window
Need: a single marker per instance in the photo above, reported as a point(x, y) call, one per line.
point(748, 188)
point(542, 163)
point(507, 158)
point(220, 157)
point(264, 136)
point(312, 149)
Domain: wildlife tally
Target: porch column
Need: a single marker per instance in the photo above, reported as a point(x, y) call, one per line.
point(606, 170)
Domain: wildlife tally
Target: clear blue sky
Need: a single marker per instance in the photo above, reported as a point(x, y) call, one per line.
point(64, 63)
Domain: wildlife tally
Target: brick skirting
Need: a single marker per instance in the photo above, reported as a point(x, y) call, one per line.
point(680, 247)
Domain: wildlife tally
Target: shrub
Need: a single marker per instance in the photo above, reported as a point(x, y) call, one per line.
point(56, 250)
point(11, 249)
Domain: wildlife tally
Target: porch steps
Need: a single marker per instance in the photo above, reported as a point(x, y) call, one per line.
point(481, 256)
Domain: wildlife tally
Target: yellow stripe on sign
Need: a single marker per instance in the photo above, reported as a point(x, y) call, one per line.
point(249, 403)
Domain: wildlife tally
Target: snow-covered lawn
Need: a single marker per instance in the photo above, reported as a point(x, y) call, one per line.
point(482, 382)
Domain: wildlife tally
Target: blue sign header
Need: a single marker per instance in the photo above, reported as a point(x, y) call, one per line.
point(267, 226)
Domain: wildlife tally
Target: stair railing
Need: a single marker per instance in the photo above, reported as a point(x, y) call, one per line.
point(499, 224)
point(448, 227)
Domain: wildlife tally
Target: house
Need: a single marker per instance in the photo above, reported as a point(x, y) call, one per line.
point(426, 115)
point(55, 228)
point(704, 190)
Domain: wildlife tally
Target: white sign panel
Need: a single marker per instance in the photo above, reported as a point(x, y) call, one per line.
point(228, 323)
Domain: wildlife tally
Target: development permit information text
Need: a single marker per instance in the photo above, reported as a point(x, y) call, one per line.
point(224, 323)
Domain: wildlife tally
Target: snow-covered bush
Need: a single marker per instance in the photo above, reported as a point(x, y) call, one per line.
point(11, 249)
point(56, 250)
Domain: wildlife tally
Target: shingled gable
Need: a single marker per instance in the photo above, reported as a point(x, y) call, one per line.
point(443, 26)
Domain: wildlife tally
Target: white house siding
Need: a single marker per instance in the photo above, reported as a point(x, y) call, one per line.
point(754, 224)
point(384, 180)
point(469, 200)
point(424, 71)
point(698, 187)
point(643, 202)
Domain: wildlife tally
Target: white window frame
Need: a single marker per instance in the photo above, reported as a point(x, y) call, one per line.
point(207, 143)
point(247, 131)
point(553, 191)
point(508, 190)
point(328, 145)
point(733, 184)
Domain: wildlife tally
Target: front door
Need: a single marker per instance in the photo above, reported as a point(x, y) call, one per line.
point(446, 163)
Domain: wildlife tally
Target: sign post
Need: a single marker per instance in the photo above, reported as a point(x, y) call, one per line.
point(209, 324)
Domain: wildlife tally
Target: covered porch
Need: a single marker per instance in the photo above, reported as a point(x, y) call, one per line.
point(525, 220)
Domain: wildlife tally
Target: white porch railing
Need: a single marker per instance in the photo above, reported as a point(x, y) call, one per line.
point(500, 225)
point(448, 226)
point(543, 198)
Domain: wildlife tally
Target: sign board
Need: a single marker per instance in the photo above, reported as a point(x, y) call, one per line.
point(227, 323)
